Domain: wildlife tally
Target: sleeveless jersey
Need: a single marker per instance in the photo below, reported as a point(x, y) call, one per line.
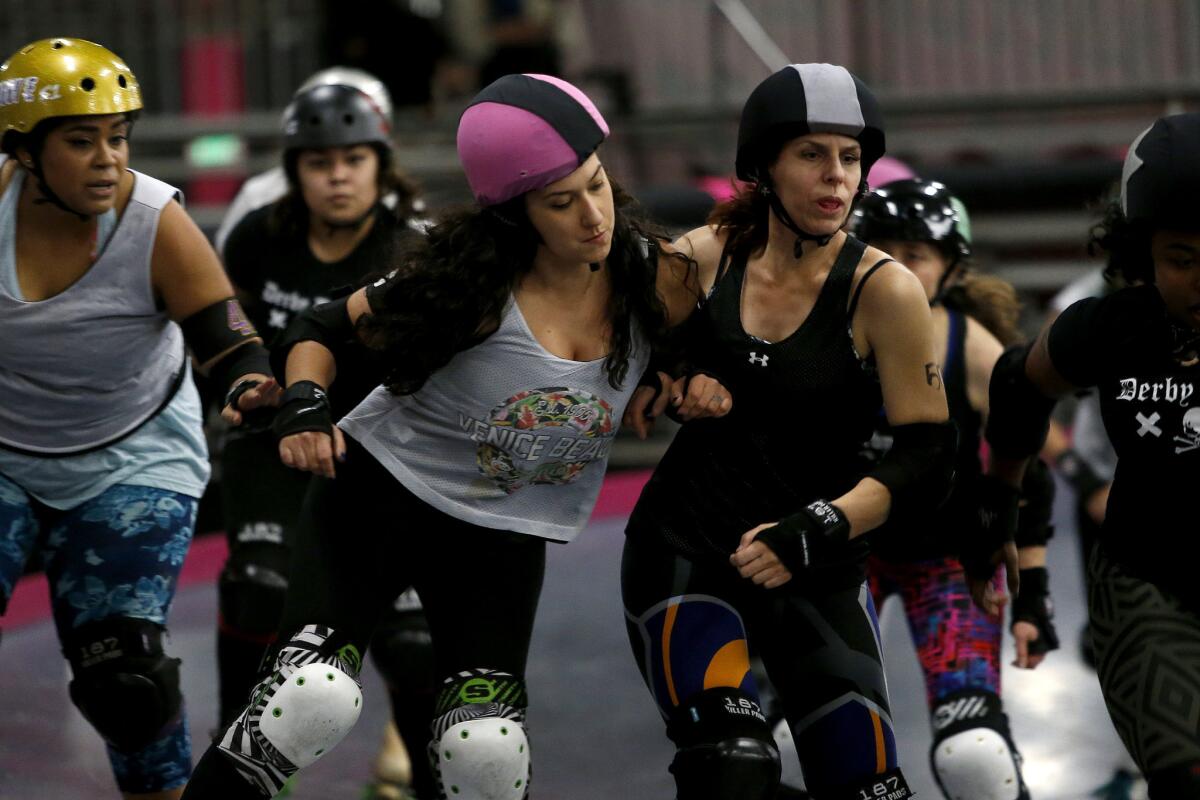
point(1150, 403)
point(802, 407)
point(88, 366)
point(506, 435)
point(937, 536)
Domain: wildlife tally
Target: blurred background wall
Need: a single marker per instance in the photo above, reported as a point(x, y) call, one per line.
point(1024, 108)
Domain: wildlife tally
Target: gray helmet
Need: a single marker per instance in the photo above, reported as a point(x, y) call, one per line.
point(334, 115)
point(365, 82)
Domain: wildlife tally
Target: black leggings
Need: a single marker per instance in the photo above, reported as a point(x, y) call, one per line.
point(689, 622)
point(361, 540)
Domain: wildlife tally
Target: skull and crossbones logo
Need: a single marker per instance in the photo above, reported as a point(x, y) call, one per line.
point(1191, 432)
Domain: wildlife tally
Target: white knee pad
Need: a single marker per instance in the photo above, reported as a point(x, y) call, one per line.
point(483, 758)
point(310, 712)
point(977, 764)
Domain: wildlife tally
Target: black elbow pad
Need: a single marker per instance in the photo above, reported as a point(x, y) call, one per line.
point(328, 324)
point(918, 470)
point(1019, 415)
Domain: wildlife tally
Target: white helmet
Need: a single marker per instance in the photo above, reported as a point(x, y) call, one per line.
point(365, 82)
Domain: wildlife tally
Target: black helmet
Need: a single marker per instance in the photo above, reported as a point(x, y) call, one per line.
point(807, 98)
point(1161, 177)
point(915, 210)
point(334, 115)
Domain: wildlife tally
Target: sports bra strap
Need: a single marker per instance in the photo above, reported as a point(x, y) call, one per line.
point(858, 289)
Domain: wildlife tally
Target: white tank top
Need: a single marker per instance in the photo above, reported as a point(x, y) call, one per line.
point(89, 365)
point(506, 435)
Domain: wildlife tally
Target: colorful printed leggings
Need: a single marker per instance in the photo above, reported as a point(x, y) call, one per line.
point(116, 555)
point(957, 644)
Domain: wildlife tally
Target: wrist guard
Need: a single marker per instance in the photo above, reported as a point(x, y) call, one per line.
point(303, 407)
point(814, 536)
point(1033, 605)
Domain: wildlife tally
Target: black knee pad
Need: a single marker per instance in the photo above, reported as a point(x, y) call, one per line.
point(1179, 781)
point(725, 748)
point(252, 589)
point(126, 687)
point(403, 652)
point(973, 754)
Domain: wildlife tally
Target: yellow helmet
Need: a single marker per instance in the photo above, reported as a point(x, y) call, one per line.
point(63, 78)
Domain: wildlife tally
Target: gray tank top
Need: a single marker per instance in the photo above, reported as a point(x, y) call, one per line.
point(86, 367)
point(506, 435)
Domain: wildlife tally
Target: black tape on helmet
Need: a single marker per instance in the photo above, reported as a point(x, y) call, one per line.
point(334, 116)
point(1161, 177)
point(807, 98)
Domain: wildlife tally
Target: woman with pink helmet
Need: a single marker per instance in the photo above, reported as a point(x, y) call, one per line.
point(512, 337)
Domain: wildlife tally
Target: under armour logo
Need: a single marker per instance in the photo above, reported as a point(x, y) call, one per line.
point(755, 358)
point(1148, 424)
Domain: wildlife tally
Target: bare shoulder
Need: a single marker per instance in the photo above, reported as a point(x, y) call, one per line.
point(704, 246)
point(888, 285)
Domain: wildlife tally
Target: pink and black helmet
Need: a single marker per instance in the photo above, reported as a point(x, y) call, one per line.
point(523, 132)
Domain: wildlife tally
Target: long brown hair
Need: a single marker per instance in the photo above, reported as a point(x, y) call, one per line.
point(990, 300)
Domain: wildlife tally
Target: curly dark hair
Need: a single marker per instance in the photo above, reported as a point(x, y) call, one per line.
point(289, 214)
point(453, 284)
point(1126, 245)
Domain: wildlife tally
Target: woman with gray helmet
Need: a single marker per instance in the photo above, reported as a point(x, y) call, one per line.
point(267, 187)
point(1140, 346)
point(748, 536)
point(328, 232)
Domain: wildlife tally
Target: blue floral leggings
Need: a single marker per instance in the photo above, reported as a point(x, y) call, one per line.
point(116, 555)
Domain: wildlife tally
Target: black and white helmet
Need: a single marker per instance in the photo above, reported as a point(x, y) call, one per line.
point(1161, 178)
point(801, 99)
point(915, 210)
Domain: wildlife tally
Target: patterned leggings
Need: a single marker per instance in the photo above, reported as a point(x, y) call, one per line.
point(958, 645)
point(1148, 658)
point(116, 555)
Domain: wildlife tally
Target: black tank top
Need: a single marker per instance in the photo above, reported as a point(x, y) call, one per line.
point(936, 537)
point(802, 407)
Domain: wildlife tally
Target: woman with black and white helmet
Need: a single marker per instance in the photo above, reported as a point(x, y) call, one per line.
point(513, 334)
point(103, 281)
point(749, 530)
point(327, 234)
point(958, 645)
point(1140, 346)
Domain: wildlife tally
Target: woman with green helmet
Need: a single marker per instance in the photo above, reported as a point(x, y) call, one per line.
point(106, 285)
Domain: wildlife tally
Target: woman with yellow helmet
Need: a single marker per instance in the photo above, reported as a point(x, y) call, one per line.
point(105, 286)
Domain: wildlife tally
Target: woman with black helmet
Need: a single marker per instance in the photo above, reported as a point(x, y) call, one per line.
point(958, 644)
point(750, 527)
point(103, 280)
point(1140, 346)
point(328, 233)
point(513, 334)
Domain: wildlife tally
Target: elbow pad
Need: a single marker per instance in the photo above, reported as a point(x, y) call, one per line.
point(918, 470)
point(1019, 416)
point(327, 324)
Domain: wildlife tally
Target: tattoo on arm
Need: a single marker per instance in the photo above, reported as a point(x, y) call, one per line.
point(933, 375)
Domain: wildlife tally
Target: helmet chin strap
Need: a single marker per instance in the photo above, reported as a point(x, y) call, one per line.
point(785, 218)
point(48, 195)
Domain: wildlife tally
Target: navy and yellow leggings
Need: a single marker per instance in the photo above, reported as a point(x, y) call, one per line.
point(691, 625)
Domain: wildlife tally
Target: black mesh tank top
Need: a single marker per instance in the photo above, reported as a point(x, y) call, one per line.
point(802, 408)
